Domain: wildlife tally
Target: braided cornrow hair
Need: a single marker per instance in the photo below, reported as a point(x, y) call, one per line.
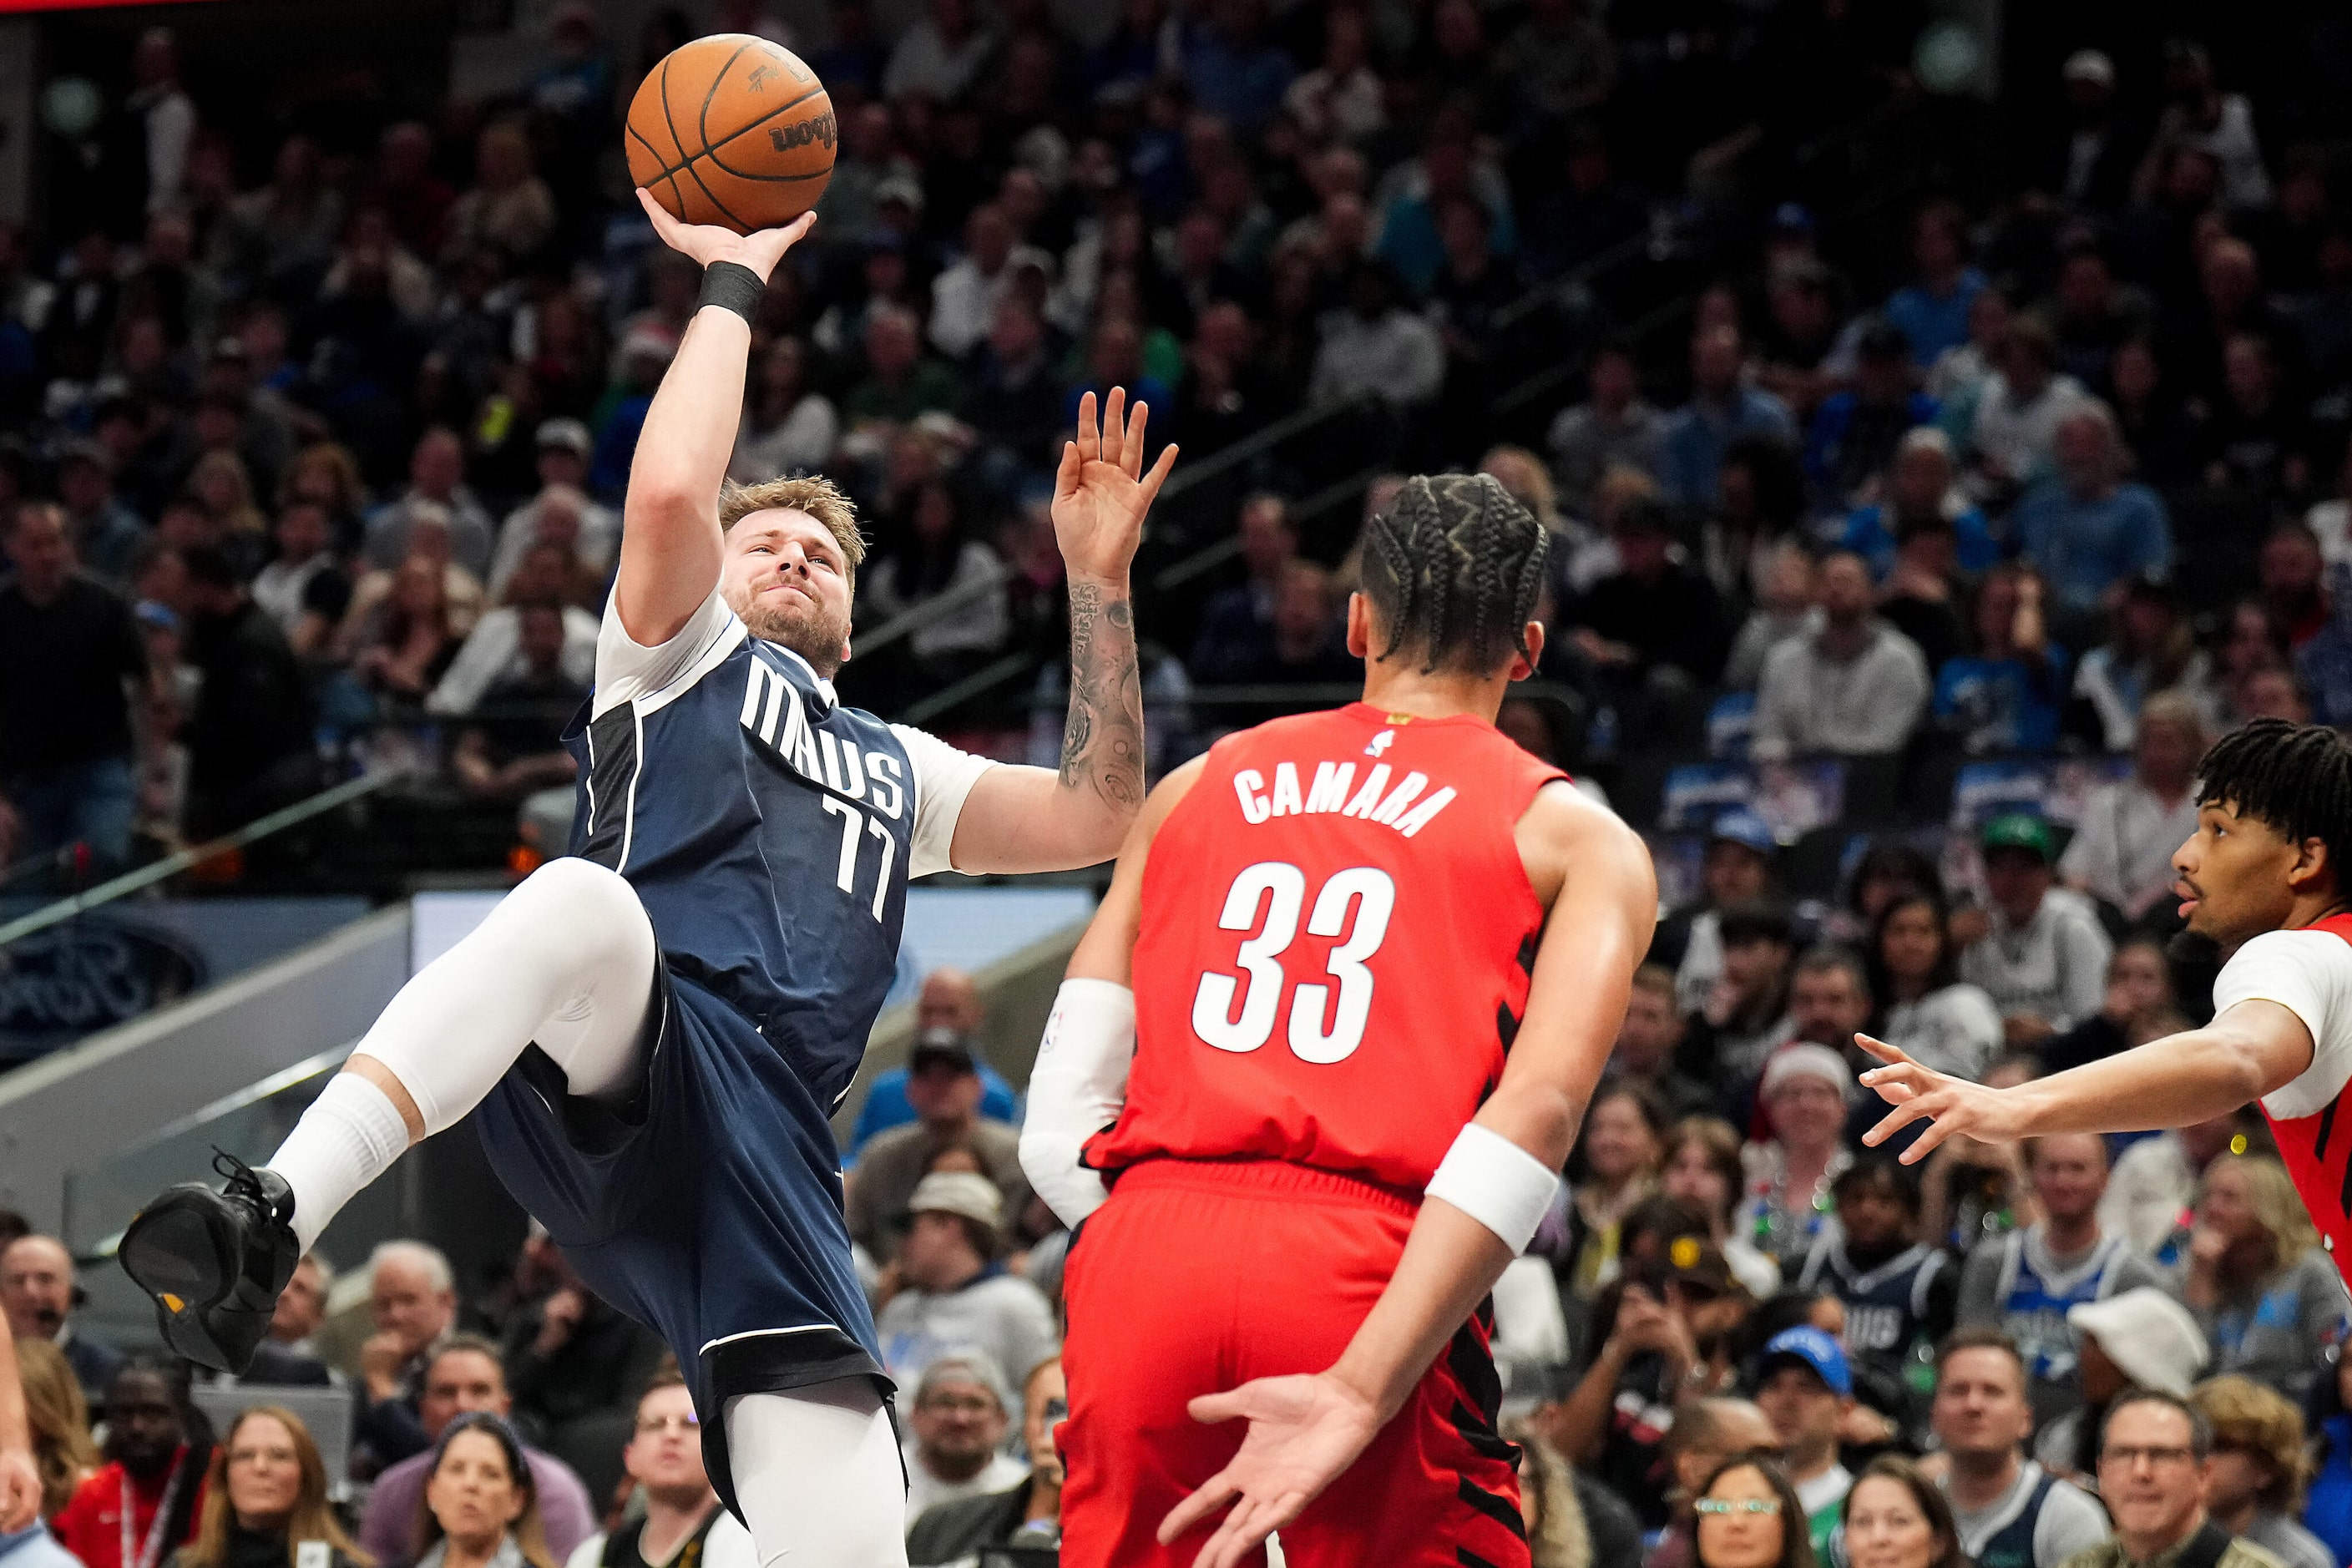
point(1452, 568)
point(2295, 777)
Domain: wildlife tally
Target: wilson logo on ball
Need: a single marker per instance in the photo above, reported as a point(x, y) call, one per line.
point(817, 128)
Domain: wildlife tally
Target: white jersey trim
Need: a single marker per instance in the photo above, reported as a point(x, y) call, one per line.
point(943, 778)
point(627, 669)
point(2308, 972)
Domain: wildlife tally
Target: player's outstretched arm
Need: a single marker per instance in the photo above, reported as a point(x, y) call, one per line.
point(1304, 1430)
point(2245, 1053)
point(670, 549)
point(1040, 819)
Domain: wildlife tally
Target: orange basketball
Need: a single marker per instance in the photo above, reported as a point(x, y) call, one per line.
point(734, 131)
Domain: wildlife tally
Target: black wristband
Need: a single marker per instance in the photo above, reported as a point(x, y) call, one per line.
point(731, 285)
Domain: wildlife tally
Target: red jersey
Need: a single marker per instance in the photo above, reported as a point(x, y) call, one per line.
point(2308, 971)
point(1338, 937)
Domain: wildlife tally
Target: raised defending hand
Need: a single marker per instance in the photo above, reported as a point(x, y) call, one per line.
point(1921, 1094)
point(707, 242)
point(1101, 492)
point(1303, 1431)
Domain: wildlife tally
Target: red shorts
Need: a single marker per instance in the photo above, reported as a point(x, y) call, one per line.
point(1198, 1277)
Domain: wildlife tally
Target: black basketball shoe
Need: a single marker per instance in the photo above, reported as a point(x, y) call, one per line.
point(215, 1261)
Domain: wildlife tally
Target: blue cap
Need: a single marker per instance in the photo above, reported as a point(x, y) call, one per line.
point(1792, 218)
point(1817, 1351)
point(161, 617)
point(1741, 826)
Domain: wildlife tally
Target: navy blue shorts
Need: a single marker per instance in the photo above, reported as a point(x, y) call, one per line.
point(710, 1208)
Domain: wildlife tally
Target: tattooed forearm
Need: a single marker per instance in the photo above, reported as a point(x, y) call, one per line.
point(1102, 748)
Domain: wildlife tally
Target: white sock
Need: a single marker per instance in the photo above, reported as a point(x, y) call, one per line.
point(349, 1136)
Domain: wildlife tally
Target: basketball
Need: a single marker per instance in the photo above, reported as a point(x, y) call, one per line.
point(734, 131)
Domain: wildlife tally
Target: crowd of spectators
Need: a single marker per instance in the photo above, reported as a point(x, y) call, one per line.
point(316, 459)
point(2081, 1351)
point(319, 438)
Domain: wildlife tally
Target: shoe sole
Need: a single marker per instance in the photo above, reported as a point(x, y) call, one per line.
point(177, 1251)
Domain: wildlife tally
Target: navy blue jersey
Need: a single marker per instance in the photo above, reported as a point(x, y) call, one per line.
point(770, 834)
point(769, 831)
point(1887, 1306)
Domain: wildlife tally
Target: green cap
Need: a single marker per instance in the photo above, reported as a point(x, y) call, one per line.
point(2020, 830)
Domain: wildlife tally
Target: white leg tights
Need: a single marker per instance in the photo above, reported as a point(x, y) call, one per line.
point(565, 960)
point(817, 1474)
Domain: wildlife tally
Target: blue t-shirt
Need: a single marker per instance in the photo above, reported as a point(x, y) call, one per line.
point(886, 1105)
point(2329, 1512)
point(1698, 434)
point(1934, 322)
point(1868, 536)
point(2085, 547)
point(1999, 704)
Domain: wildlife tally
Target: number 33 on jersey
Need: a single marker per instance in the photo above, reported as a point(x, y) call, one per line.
point(1336, 947)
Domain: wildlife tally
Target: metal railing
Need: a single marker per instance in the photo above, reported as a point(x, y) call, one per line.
point(149, 875)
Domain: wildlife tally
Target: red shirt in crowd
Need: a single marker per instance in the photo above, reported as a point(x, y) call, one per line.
point(90, 1524)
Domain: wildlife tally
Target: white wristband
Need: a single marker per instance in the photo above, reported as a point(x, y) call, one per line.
point(1497, 1184)
point(1075, 1089)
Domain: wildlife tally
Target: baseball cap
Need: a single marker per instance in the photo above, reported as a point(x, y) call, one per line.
point(1697, 1260)
point(965, 1366)
point(2019, 830)
point(2089, 64)
point(943, 1047)
point(569, 434)
point(974, 1197)
point(901, 188)
point(2149, 1336)
point(1813, 1349)
point(1743, 827)
point(1804, 1060)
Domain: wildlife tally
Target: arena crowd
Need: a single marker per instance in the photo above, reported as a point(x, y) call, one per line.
point(1988, 486)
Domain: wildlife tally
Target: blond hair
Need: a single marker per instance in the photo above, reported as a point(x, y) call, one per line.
point(815, 494)
point(60, 1418)
point(2278, 1208)
point(2248, 1416)
point(314, 1518)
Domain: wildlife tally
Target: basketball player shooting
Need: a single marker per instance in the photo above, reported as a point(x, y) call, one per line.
point(2264, 877)
point(654, 1032)
point(1328, 1040)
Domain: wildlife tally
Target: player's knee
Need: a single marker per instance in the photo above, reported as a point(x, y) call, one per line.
point(578, 898)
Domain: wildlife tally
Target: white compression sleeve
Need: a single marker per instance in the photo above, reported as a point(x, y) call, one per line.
point(1495, 1182)
point(818, 1476)
point(1074, 1091)
point(565, 960)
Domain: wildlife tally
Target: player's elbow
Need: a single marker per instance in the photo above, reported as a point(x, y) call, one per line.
point(1541, 1118)
point(2253, 1065)
point(656, 501)
point(1099, 839)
